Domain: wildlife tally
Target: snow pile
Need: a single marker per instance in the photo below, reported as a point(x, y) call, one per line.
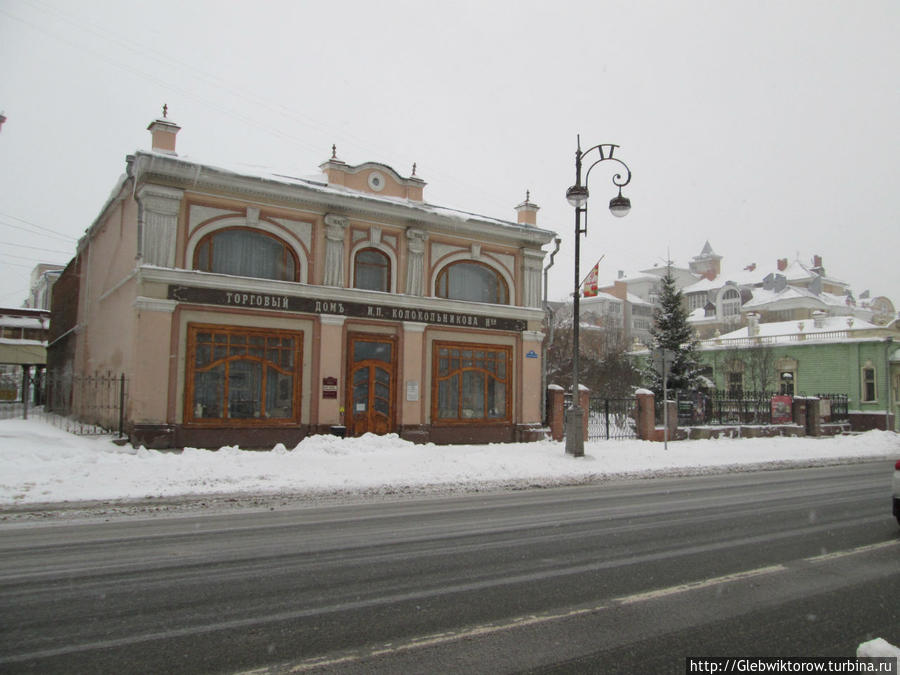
point(879, 647)
point(39, 463)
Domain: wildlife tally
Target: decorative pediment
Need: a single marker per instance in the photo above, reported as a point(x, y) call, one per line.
point(374, 178)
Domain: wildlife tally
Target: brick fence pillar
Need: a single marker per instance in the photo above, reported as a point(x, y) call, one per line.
point(556, 416)
point(799, 412)
point(813, 420)
point(646, 414)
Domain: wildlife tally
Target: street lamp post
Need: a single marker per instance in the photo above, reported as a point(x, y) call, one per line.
point(577, 196)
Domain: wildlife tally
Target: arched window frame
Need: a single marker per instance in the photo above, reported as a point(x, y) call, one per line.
point(786, 370)
point(385, 251)
point(211, 228)
point(503, 278)
point(723, 303)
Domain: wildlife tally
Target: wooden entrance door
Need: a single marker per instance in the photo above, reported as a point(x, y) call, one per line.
point(372, 377)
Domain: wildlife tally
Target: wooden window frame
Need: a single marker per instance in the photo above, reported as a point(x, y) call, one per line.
point(436, 379)
point(290, 259)
point(502, 286)
point(387, 267)
point(193, 329)
point(865, 382)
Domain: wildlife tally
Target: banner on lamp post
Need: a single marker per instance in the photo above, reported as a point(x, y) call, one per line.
point(592, 281)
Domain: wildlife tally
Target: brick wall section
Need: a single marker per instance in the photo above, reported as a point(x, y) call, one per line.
point(646, 415)
point(556, 413)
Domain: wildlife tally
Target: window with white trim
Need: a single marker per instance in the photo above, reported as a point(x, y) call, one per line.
point(869, 389)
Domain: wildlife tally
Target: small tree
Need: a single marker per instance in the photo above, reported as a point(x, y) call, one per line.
point(605, 369)
point(760, 367)
point(671, 331)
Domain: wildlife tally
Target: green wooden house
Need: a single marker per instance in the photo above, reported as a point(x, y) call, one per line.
point(824, 355)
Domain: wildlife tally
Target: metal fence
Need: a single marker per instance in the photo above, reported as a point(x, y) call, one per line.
point(839, 405)
point(745, 407)
point(608, 418)
point(81, 404)
point(95, 401)
point(612, 418)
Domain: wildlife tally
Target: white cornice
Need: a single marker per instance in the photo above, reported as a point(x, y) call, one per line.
point(184, 174)
point(154, 305)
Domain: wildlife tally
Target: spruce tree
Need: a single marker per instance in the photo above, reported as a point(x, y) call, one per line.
point(672, 331)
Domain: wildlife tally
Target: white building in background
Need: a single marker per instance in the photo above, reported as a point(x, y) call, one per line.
point(43, 276)
point(720, 302)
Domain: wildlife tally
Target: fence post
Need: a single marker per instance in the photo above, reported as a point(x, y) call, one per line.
point(555, 414)
point(646, 414)
point(24, 392)
point(606, 414)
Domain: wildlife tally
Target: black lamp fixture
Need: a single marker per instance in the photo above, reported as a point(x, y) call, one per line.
point(619, 206)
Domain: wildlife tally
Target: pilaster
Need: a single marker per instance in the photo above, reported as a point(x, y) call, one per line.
point(158, 224)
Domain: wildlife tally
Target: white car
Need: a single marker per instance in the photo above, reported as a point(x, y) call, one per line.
point(897, 491)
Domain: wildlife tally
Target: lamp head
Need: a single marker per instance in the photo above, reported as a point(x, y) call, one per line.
point(577, 195)
point(619, 206)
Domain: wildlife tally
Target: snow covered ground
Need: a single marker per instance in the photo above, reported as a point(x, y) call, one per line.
point(40, 463)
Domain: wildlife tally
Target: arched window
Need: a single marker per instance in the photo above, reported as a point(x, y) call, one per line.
point(246, 253)
point(731, 303)
point(472, 281)
point(372, 270)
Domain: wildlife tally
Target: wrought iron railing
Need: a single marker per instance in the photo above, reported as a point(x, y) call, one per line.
point(612, 418)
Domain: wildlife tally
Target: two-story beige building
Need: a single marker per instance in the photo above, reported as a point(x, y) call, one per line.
point(256, 308)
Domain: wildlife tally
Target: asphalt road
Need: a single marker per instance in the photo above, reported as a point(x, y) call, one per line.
point(625, 576)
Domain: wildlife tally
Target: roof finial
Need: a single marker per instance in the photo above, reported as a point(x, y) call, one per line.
point(414, 169)
point(333, 151)
point(527, 196)
point(165, 109)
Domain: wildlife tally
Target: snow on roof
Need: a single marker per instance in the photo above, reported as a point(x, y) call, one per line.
point(797, 271)
point(808, 327)
point(600, 297)
point(22, 322)
point(704, 285)
point(635, 300)
point(763, 297)
point(628, 277)
point(319, 183)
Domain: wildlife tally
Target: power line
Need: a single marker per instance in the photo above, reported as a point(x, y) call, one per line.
point(12, 264)
point(39, 227)
point(235, 92)
point(22, 257)
point(30, 231)
point(40, 248)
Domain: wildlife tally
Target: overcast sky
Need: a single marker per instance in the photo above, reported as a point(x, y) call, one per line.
point(771, 129)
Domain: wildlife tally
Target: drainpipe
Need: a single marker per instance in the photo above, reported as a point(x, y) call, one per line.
point(549, 338)
point(887, 381)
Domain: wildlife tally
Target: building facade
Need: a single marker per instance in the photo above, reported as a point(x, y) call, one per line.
point(826, 355)
point(23, 350)
point(253, 309)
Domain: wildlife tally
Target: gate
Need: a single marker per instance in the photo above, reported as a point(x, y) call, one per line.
point(612, 418)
